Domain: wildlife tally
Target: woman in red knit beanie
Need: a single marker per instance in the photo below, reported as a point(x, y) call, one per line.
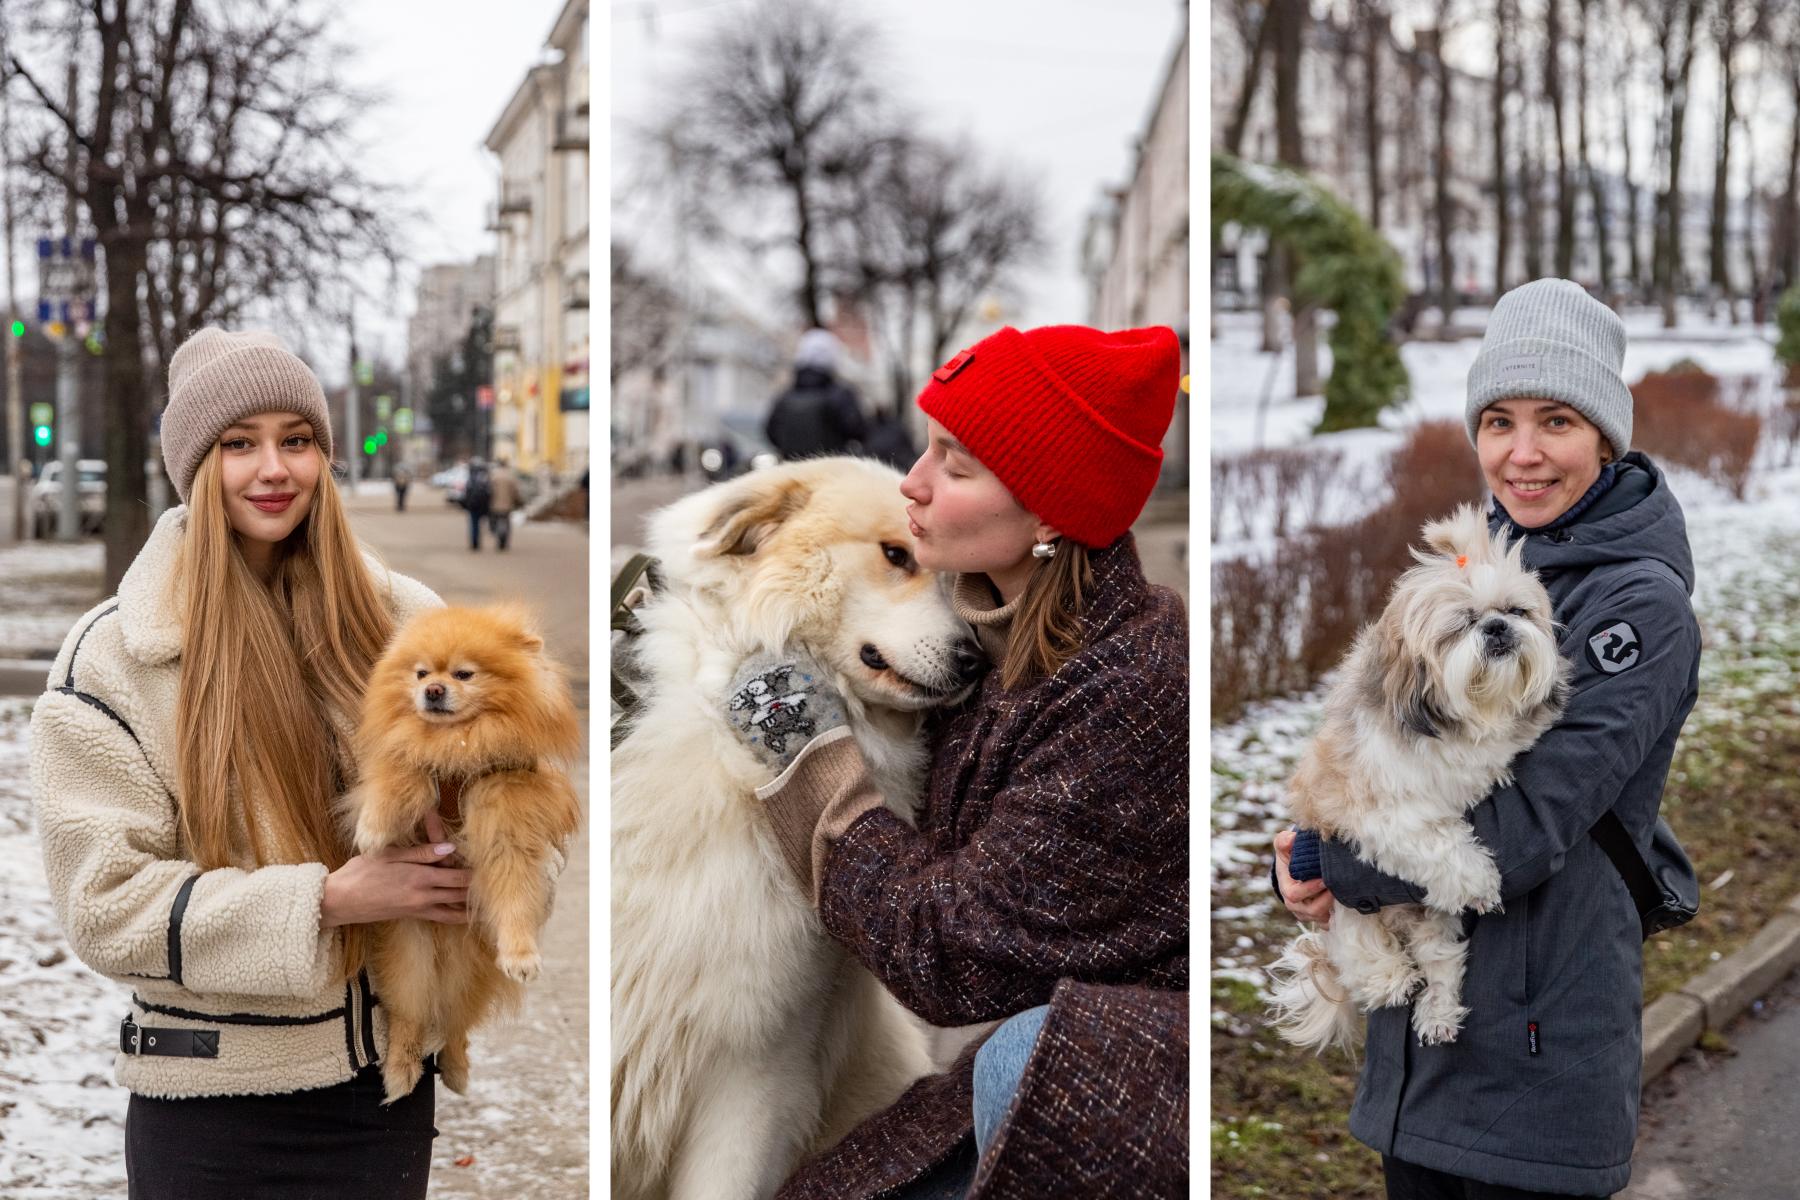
point(1046, 884)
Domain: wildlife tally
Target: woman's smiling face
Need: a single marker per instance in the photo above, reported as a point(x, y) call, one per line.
point(1538, 456)
point(269, 466)
point(962, 515)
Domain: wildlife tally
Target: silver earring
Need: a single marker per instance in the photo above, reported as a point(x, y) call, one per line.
point(1044, 550)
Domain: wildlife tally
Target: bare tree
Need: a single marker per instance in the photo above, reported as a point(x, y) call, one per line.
point(1735, 23)
point(1673, 24)
point(779, 109)
point(1503, 87)
point(1372, 25)
point(645, 315)
point(1553, 91)
point(1293, 20)
point(935, 234)
point(218, 170)
point(1250, 19)
point(1590, 179)
point(1786, 250)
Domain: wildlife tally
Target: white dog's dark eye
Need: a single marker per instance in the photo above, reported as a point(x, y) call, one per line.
point(1517, 612)
point(463, 674)
point(422, 674)
point(897, 555)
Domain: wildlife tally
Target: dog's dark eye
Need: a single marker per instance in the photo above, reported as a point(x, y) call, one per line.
point(422, 674)
point(1517, 612)
point(463, 674)
point(897, 555)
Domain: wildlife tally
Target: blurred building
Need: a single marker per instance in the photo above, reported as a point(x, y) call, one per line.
point(447, 296)
point(1135, 248)
point(541, 262)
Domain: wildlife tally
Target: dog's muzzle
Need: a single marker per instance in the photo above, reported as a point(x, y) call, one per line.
point(1497, 638)
point(437, 698)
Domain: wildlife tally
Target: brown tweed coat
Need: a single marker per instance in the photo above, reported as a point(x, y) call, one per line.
point(1050, 865)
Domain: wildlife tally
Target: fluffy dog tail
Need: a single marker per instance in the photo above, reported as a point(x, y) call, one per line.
point(1308, 1004)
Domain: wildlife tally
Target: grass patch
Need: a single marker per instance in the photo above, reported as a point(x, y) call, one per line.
point(1733, 797)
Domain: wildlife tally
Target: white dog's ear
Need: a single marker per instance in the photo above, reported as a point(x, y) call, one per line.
point(1462, 533)
point(748, 520)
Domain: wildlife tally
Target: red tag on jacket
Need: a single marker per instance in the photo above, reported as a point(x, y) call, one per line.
point(944, 373)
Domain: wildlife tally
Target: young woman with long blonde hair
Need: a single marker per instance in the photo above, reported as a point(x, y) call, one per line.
point(184, 763)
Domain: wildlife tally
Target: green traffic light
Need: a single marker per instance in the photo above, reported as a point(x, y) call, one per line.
point(18, 329)
point(381, 437)
point(368, 445)
point(41, 435)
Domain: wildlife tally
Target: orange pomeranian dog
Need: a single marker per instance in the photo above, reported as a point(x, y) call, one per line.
point(466, 714)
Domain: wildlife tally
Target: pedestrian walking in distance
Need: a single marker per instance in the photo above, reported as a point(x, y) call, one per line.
point(477, 498)
point(818, 414)
point(503, 498)
point(402, 480)
point(184, 764)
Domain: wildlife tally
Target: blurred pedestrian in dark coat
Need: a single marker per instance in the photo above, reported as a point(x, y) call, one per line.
point(818, 414)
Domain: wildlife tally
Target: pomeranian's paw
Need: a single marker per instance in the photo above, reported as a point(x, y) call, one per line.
point(523, 965)
point(400, 1075)
point(455, 1074)
point(369, 836)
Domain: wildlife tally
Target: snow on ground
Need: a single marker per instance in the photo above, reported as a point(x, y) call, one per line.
point(44, 587)
point(1747, 592)
point(62, 1119)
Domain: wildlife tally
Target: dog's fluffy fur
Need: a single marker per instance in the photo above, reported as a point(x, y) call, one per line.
point(466, 696)
point(1437, 697)
point(743, 1037)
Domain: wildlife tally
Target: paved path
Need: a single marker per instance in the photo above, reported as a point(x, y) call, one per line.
point(525, 1119)
point(1721, 1126)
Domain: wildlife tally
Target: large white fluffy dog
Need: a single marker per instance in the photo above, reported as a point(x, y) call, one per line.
point(743, 1038)
point(1438, 696)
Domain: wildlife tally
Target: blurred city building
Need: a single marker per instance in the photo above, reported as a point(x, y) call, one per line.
point(540, 415)
point(1135, 247)
point(444, 307)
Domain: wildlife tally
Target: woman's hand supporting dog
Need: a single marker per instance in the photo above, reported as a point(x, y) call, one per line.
point(1308, 899)
point(399, 881)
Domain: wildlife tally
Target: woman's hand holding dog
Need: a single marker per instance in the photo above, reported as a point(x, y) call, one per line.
point(399, 881)
point(1308, 900)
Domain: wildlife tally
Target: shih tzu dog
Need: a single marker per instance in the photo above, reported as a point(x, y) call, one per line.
point(1436, 698)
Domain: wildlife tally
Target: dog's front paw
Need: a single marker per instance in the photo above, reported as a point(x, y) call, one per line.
point(1437, 1023)
point(522, 965)
point(370, 837)
point(400, 1075)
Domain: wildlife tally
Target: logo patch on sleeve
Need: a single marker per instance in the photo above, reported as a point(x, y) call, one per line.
point(1616, 647)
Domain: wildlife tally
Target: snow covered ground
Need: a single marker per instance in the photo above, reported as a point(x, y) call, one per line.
point(62, 1120)
point(44, 587)
point(1747, 595)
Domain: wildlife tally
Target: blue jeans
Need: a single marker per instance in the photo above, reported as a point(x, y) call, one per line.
point(999, 1066)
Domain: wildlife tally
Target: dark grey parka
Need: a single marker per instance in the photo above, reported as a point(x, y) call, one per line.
point(1540, 1091)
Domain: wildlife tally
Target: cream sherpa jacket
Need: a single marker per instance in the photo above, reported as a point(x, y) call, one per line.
point(231, 978)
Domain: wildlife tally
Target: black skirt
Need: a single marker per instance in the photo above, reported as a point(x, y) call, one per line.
point(332, 1143)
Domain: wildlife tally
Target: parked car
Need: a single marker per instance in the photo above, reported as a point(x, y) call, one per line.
point(453, 480)
point(46, 496)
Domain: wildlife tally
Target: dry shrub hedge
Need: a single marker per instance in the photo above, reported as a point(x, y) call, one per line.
point(1682, 416)
point(1281, 622)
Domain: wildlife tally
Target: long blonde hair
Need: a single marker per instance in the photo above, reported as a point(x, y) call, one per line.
point(263, 669)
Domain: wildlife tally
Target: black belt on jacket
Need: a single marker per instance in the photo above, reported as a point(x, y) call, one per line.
point(173, 1043)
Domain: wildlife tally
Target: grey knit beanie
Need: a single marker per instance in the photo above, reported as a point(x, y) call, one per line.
point(216, 379)
point(1549, 338)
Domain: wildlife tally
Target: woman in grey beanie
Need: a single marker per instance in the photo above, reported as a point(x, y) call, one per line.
point(1539, 1094)
point(184, 764)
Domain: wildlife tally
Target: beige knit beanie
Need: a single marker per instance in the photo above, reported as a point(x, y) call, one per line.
point(216, 379)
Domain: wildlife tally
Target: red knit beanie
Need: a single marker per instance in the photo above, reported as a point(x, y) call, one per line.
point(1071, 419)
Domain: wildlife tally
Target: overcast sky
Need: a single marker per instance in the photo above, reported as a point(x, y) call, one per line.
point(1058, 89)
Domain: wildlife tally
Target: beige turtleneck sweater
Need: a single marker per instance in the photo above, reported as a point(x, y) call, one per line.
point(973, 598)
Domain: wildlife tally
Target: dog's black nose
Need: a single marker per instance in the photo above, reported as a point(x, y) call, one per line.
point(970, 662)
point(1498, 635)
point(434, 692)
point(872, 659)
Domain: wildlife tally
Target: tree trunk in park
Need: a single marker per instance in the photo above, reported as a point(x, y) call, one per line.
point(1553, 88)
point(1590, 179)
point(1374, 21)
point(1725, 24)
point(1502, 88)
point(1444, 213)
point(1240, 111)
point(1290, 39)
point(1532, 181)
point(1787, 233)
point(1677, 67)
